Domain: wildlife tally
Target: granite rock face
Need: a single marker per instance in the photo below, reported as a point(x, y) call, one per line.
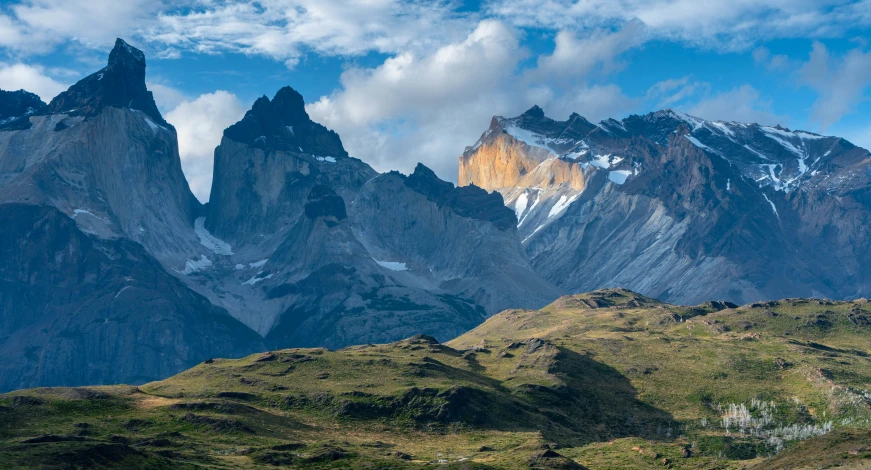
point(684, 209)
point(300, 244)
point(462, 239)
point(268, 163)
point(121, 84)
point(94, 201)
point(324, 251)
point(76, 309)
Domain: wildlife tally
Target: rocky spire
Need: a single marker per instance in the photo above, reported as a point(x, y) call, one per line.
point(282, 124)
point(534, 112)
point(120, 84)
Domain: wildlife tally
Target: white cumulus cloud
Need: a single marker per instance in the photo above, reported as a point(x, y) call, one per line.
point(31, 78)
point(840, 82)
point(742, 104)
point(424, 108)
point(733, 25)
point(35, 26)
point(287, 29)
point(200, 124)
point(576, 55)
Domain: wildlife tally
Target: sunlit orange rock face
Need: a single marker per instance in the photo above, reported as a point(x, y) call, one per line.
point(505, 162)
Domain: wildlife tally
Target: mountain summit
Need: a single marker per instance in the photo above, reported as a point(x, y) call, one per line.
point(681, 208)
point(323, 247)
point(283, 124)
point(98, 218)
point(120, 84)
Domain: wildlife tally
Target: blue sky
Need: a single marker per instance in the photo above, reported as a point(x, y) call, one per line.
point(406, 81)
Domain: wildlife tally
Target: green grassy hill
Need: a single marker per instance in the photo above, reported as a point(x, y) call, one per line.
point(608, 379)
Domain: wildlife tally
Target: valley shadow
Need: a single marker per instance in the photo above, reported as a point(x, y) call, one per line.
point(583, 401)
point(587, 401)
point(596, 403)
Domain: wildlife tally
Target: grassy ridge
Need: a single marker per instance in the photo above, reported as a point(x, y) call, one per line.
point(608, 379)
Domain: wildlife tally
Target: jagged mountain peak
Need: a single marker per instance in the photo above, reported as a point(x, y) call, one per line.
point(426, 182)
point(283, 124)
point(291, 104)
point(121, 84)
point(771, 155)
point(538, 126)
point(695, 122)
point(520, 151)
point(534, 112)
point(125, 55)
point(287, 107)
point(467, 201)
point(16, 107)
point(713, 190)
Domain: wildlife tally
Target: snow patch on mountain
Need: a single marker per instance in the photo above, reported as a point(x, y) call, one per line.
point(531, 210)
point(772, 134)
point(392, 265)
point(255, 279)
point(209, 241)
point(619, 176)
point(722, 127)
point(533, 233)
point(520, 206)
point(601, 161)
point(773, 207)
point(576, 155)
point(154, 127)
point(120, 291)
point(77, 212)
point(775, 180)
point(531, 138)
point(695, 122)
point(195, 265)
point(698, 144)
point(528, 137)
point(759, 154)
point(561, 205)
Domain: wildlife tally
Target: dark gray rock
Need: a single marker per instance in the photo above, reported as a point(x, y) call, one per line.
point(326, 252)
point(283, 124)
point(16, 107)
point(121, 84)
point(76, 310)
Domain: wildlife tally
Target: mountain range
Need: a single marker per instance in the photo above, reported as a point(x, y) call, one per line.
point(112, 271)
point(680, 208)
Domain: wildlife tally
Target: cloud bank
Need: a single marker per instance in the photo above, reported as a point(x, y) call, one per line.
point(446, 70)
